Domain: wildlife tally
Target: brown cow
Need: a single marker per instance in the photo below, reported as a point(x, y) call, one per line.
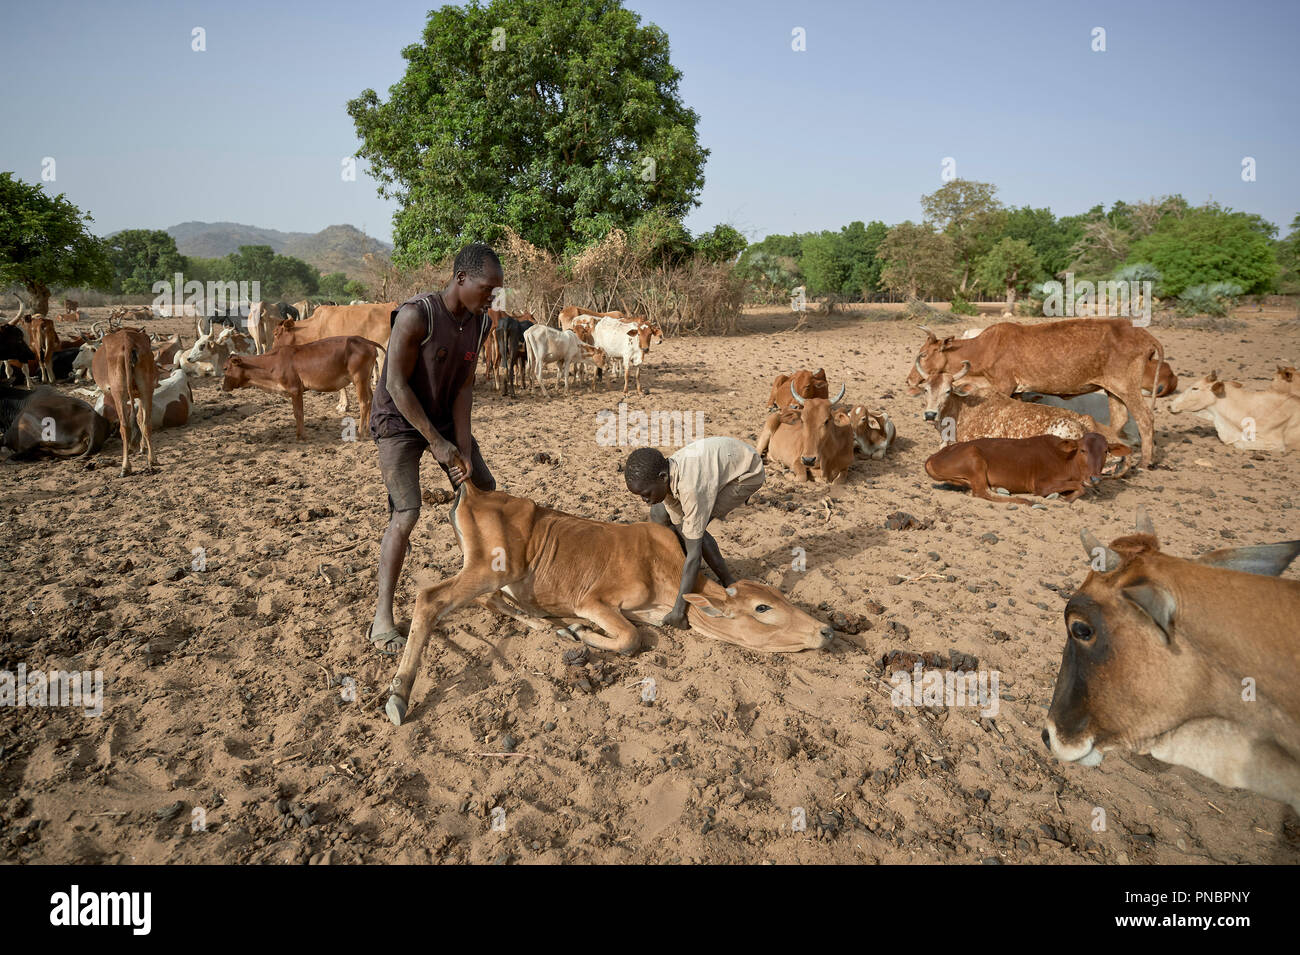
point(1192, 661)
point(124, 368)
point(326, 365)
point(549, 569)
point(1067, 357)
point(807, 384)
point(44, 342)
point(811, 435)
point(1042, 465)
point(372, 322)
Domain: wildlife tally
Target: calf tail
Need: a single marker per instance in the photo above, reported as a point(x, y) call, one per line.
point(1159, 352)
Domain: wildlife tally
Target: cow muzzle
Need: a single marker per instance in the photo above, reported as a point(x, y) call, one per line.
point(809, 461)
point(931, 415)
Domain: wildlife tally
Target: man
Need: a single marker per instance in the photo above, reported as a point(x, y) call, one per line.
point(706, 479)
point(422, 402)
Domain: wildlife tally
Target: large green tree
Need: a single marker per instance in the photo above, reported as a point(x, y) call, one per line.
point(141, 257)
point(1210, 244)
point(917, 260)
point(560, 119)
point(44, 243)
point(970, 214)
point(1009, 267)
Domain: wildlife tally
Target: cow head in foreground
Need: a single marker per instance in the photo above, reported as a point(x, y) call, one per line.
point(1157, 652)
point(819, 417)
point(757, 617)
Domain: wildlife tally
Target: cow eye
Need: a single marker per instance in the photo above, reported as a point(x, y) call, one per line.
point(1080, 630)
point(762, 608)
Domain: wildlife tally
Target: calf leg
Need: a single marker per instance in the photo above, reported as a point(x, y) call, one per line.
point(296, 398)
point(1137, 406)
point(364, 396)
point(623, 636)
point(342, 406)
point(431, 607)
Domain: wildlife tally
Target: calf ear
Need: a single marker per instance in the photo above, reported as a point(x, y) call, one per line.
point(1268, 560)
point(1157, 603)
point(1218, 389)
point(704, 605)
point(842, 418)
point(1119, 450)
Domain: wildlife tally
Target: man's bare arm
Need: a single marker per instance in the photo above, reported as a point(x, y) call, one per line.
point(403, 351)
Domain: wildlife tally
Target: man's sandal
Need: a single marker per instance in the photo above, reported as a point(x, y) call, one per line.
point(390, 643)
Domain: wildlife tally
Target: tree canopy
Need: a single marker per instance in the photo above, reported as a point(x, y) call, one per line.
point(44, 243)
point(560, 119)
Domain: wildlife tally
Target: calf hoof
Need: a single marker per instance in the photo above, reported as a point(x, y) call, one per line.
point(396, 709)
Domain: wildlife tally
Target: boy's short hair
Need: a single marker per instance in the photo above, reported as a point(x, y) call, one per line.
point(474, 260)
point(644, 466)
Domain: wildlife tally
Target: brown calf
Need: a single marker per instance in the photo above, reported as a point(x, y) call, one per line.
point(1042, 465)
point(326, 365)
point(806, 384)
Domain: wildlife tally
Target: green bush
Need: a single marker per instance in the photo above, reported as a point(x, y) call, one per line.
point(961, 306)
point(1214, 298)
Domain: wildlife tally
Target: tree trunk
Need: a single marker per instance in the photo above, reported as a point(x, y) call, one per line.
point(1011, 298)
point(40, 293)
point(965, 276)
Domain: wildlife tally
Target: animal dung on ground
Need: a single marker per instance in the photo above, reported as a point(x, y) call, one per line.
point(908, 660)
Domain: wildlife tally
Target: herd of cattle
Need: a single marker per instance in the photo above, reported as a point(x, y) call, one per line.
point(1000, 398)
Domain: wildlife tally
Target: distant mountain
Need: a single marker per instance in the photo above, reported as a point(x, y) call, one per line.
point(336, 248)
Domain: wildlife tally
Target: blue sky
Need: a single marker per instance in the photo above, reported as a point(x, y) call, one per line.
point(148, 133)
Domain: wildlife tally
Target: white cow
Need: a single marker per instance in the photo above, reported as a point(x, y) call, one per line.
point(626, 343)
point(546, 345)
point(172, 400)
point(1247, 420)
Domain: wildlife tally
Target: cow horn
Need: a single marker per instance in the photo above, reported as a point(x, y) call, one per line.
point(21, 305)
point(840, 395)
point(919, 371)
point(965, 370)
point(797, 397)
point(95, 325)
point(1143, 523)
point(1091, 545)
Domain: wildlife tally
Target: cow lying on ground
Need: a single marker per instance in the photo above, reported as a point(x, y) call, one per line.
point(326, 365)
point(124, 369)
point(811, 435)
point(1286, 380)
point(1247, 420)
point(550, 569)
point(1042, 465)
point(1159, 651)
point(806, 384)
point(45, 420)
point(965, 412)
point(172, 401)
point(873, 432)
point(1066, 357)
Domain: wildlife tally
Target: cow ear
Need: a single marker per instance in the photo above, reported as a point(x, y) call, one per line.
point(791, 415)
point(1069, 445)
point(1157, 603)
point(1268, 560)
point(1218, 389)
point(703, 605)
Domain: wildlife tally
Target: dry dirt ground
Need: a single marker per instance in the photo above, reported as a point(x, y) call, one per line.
point(243, 697)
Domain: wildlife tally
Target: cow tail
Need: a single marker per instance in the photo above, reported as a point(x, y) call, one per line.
point(1159, 352)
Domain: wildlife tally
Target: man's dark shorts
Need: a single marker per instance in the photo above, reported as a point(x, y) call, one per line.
point(399, 462)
